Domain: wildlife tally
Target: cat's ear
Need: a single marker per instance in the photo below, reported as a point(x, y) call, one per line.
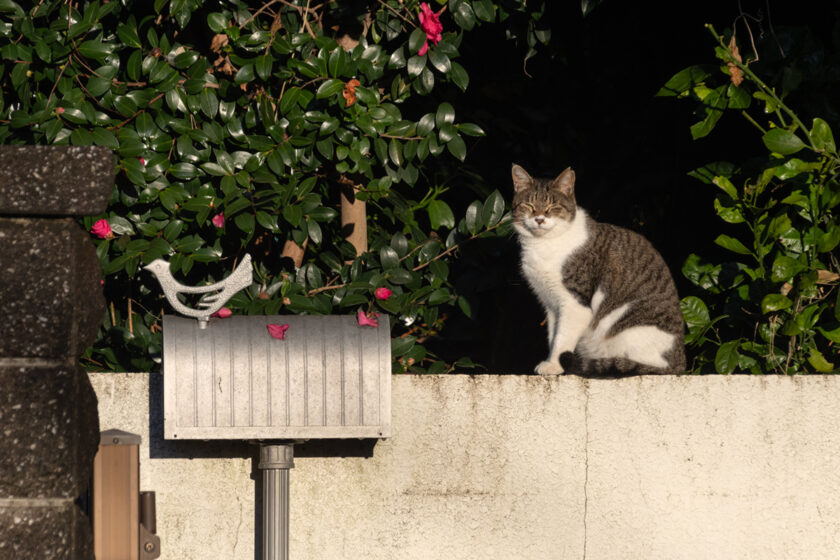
point(521, 179)
point(565, 182)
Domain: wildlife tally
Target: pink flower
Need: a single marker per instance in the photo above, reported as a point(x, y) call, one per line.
point(222, 313)
point(277, 331)
point(430, 22)
point(219, 220)
point(382, 293)
point(102, 229)
point(143, 161)
point(367, 320)
point(59, 110)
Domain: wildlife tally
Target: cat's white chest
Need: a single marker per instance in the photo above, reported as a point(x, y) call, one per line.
point(543, 259)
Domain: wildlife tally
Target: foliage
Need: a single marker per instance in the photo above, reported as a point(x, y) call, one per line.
point(239, 126)
point(774, 305)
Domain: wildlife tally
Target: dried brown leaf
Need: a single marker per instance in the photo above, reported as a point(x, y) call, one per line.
point(349, 92)
point(735, 73)
point(218, 42)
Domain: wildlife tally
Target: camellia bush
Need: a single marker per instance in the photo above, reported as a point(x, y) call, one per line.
point(306, 134)
point(774, 305)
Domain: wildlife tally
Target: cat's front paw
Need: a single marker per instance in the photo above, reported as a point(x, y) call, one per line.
point(548, 368)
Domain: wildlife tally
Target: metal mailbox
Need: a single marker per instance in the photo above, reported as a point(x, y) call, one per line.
point(328, 377)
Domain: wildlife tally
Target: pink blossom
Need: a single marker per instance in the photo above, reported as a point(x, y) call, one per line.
point(143, 161)
point(59, 110)
point(382, 293)
point(367, 320)
point(219, 220)
point(430, 22)
point(222, 313)
point(102, 229)
point(277, 331)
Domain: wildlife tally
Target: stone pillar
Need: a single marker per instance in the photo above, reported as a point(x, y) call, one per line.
point(51, 306)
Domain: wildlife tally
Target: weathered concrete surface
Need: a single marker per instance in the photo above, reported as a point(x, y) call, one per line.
point(55, 180)
point(49, 430)
point(524, 467)
point(50, 283)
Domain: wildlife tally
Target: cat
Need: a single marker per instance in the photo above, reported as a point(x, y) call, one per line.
point(611, 304)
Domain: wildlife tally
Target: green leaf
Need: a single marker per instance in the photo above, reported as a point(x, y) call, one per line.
point(729, 214)
point(329, 88)
point(775, 302)
point(785, 268)
point(397, 59)
point(493, 209)
point(416, 40)
point(401, 345)
point(445, 114)
point(395, 152)
point(389, 258)
point(822, 137)
point(400, 276)
point(209, 102)
point(128, 35)
point(818, 361)
point(782, 141)
point(464, 16)
point(104, 137)
point(459, 76)
point(440, 214)
point(245, 222)
point(263, 66)
point(439, 296)
point(244, 74)
point(484, 10)
point(217, 22)
point(833, 335)
point(471, 129)
point(472, 218)
point(715, 103)
point(457, 147)
point(727, 357)
point(95, 49)
point(440, 61)
point(726, 186)
point(732, 244)
point(694, 311)
point(416, 64)
point(426, 124)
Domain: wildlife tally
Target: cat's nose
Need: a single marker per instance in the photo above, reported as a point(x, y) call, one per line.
point(540, 220)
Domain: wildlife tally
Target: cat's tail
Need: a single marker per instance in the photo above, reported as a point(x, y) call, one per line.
point(605, 367)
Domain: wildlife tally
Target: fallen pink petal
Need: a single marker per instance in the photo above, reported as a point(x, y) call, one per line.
point(222, 313)
point(143, 161)
point(367, 320)
point(219, 220)
point(102, 229)
point(277, 331)
point(382, 293)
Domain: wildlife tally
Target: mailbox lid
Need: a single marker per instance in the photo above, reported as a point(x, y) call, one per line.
point(328, 377)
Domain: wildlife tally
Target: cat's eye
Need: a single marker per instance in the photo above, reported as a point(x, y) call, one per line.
point(527, 206)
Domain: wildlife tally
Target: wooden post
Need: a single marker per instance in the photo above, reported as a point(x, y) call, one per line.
point(353, 216)
point(116, 495)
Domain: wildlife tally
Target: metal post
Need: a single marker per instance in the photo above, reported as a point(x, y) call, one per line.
point(275, 462)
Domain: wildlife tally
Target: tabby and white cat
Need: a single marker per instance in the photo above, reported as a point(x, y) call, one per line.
point(610, 302)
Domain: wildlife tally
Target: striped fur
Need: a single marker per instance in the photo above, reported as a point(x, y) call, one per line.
point(611, 304)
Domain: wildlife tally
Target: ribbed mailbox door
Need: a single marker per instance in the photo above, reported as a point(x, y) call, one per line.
point(328, 378)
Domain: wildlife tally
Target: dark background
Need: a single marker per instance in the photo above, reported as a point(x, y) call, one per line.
point(590, 103)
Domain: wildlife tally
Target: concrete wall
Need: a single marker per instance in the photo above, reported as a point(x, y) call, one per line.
point(527, 467)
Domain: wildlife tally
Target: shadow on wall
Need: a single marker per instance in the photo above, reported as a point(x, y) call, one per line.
point(160, 448)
